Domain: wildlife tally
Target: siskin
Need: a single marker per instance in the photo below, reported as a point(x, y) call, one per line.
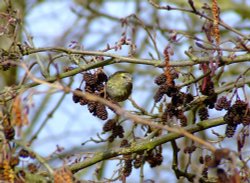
point(119, 86)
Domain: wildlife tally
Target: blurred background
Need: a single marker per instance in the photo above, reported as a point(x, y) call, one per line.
point(60, 124)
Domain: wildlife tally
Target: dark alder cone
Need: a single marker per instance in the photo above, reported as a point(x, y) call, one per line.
point(235, 113)
point(246, 119)
point(84, 101)
point(240, 106)
point(211, 100)
point(92, 106)
point(149, 157)
point(111, 138)
point(100, 87)
point(201, 160)
point(158, 158)
point(90, 79)
point(240, 103)
point(211, 88)
point(138, 162)
point(203, 113)
point(6, 65)
point(237, 119)
point(222, 175)
point(32, 168)
point(172, 111)
point(188, 98)
point(155, 159)
point(124, 143)
point(183, 120)
point(181, 116)
point(172, 91)
point(177, 100)
point(222, 103)
point(101, 77)
point(23, 153)
point(158, 95)
point(101, 111)
point(151, 161)
point(127, 167)
point(118, 131)
point(161, 79)
point(229, 117)
point(165, 117)
point(163, 89)
point(109, 125)
point(89, 89)
point(208, 89)
point(169, 112)
point(76, 98)
point(230, 130)
point(9, 132)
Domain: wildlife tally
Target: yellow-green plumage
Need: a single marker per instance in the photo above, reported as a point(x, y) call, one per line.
point(119, 86)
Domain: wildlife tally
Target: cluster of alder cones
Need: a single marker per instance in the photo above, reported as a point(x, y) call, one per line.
point(94, 84)
point(238, 113)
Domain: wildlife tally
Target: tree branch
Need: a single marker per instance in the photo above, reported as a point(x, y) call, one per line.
point(145, 144)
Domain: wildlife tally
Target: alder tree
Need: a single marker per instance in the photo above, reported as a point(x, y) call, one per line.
point(188, 115)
